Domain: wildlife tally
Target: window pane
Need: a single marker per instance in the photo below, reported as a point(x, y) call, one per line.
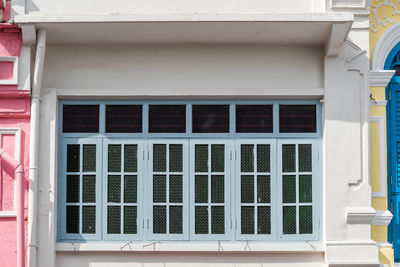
point(89, 158)
point(217, 158)
point(175, 188)
point(130, 217)
point(218, 220)
point(264, 220)
point(72, 222)
point(88, 219)
point(247, 189)
point(159, 219)
point(263, 189)
point(130, 158)
point(175, 220)
point(159, 188)
point(210, 119)
point(73, 188)
point(247, 220)
point(89, 188)
point(201, 158)
point(263, 158)
point(217, 189)
point(297, 119)
point(201, 188)
point(175, 158)
point(73, 158)
point(289, 220)
point(305, 217)
point(114, 219)
point(159, 158)
point(254, 119)
point(81, 118)
point(114, 188)
point(247, 158)
point(201, 220)
point(305, 188)
point(123, 118)
point(130, 189)
point(167, 118)
point(289, 188)
point(288, 158)
point(305, 157)
point(114, 158)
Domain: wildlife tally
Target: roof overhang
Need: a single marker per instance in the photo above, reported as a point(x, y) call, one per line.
point(327, 29)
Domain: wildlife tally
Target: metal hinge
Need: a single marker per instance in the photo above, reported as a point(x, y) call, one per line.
point(148, 225)
point(391, 207)
point(391, 180)
point(390, 95)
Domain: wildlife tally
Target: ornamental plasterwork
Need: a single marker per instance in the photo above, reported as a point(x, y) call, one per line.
point(378, 22)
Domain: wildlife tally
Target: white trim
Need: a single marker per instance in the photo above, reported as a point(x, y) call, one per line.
point(347, 4)
point(14, 79)
point(384, 245)
point(385, 44)
point(360, 215)
point(17, 155)
point(382, 217)
point(382, 173)
point(378, 103)
point(380, 77)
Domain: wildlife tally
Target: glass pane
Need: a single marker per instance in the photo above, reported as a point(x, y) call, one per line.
point(89, 188)
point(201, 158)
point(218, 220)
point(247, 220)
point(263, 158)
point(201, 220)
point(254, 119)
point(81, 118)
point(159, 158)
point(217, 189)
point(305, 158)
point(130, 189)
point(159, 188)
point(210, 119)
point(175, 188)
point(130, 217)
point(289, 220)
point(305, 188)
point(88, 219)
point(288, 158)
point(217, 158)
point(114, 188)
point(72, 222)
point(159, 219)
point(114, 158)
point(201, 189)
point(297, 119)
point(247, 189)
point(114, 219)
point(73, 189)
point(130, 158)
point(175, 220)
point(73, 158)
point(289, 189)
point(247, 158)
point(167, 118)
point(89, 158)
point(264, 220)
point(123, 118)
point(305, 217)
point(175, 158)
point(263, 189)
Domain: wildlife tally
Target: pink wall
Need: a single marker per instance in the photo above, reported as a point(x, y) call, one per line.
point(14, 113)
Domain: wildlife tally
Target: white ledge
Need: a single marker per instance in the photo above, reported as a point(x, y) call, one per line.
point(8, 214)
point(380, 77)
point(382, 217)
point(360, 215)
point(192, 247)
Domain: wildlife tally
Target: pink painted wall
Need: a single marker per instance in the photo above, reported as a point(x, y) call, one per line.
point(14, 113)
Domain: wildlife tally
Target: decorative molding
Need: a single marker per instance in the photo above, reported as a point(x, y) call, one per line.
point(360, 215)
point(377, 22)
point(380, 77)
point(14, 80)
point(384, 245)
point(348, 4)
point(378, 103)
point(17, 155)
point(382, 217)
point(382, 169)
point(385, 44)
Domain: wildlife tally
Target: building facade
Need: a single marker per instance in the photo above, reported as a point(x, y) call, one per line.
point(200, 133)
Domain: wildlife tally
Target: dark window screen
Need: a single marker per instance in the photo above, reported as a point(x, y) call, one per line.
point(81, 118)
point(210, 118)
point(297, 119)
point(254, 119)
point(167, 118)
point(123, 118)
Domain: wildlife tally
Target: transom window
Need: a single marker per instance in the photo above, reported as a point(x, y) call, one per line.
point(189, 171)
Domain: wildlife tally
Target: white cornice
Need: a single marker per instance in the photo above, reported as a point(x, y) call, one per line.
point(380, 77)
point(360, 215)
point(382, 217)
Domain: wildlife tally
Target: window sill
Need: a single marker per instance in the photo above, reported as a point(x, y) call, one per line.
point(198, 247)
